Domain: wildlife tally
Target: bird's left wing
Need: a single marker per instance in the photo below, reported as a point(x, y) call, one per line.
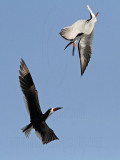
point(29, 91)
point(85, 50)
point(44, 132)
point(71, 32)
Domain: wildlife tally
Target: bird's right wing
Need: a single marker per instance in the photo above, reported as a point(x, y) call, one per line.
point(29, 91)
point(85, 51)
point(44, 132)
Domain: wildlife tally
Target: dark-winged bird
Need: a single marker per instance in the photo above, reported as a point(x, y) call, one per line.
point(37, 118)
point(83, 31)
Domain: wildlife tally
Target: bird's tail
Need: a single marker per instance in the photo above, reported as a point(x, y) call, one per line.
point(27, 129)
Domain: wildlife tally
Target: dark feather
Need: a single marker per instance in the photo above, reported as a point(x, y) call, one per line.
point(29, 91)
point(46, 133)
point(85, 51)
point(37, 119)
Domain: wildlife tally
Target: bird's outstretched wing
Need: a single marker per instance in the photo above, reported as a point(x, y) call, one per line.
point(85, 50)
point(44, 132)
point(70, 32)
point(29, 91)
point(66, 33)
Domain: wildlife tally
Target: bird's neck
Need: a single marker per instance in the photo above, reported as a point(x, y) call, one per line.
point(47, 114)
point(93, 20)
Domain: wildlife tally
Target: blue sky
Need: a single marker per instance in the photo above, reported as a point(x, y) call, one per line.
point(89, 123)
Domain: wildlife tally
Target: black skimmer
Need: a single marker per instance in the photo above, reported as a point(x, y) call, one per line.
point(37, 118)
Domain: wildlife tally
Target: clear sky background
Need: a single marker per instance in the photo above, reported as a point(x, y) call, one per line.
point(88, 126)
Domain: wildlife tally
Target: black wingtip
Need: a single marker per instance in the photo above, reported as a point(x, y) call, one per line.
point(22, 60)
point(49, 139)
point(82, 72)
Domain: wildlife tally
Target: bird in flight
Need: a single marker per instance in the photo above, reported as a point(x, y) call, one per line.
point(83, 31)
point(37, 118)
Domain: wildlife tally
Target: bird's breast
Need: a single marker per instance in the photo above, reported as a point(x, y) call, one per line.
point(88, 28)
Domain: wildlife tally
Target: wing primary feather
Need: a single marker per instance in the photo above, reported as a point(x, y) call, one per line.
point(85, 51)
point(29, 91)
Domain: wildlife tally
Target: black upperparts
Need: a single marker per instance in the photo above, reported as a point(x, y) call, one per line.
point(29, 91)
point(28, 80)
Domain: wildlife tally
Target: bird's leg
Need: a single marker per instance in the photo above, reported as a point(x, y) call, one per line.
point(73, 48)
point(68, 45)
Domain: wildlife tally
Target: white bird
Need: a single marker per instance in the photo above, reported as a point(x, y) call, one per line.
point(83, 31)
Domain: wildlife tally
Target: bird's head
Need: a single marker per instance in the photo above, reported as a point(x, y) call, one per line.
point(93, 17)
point(51, 111)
